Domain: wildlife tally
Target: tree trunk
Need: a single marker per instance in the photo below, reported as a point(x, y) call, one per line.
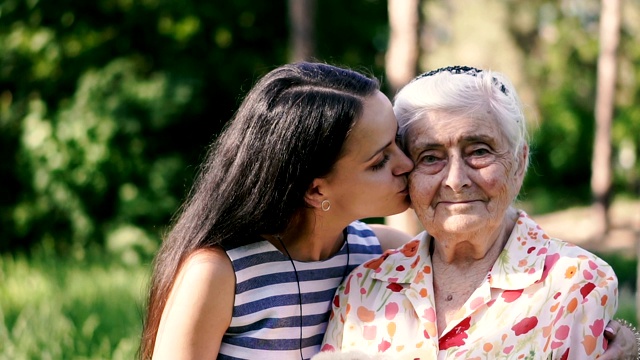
point(302, 29)
point(601, 161)
point(402, 54)
point(401, 65)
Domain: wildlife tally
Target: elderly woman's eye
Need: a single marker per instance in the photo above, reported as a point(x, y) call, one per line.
point(480, 152)
point(429, 159)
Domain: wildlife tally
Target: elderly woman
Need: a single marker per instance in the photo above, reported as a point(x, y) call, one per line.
point(484, 281)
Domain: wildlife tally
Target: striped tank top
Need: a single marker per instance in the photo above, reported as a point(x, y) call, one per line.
point(266, 314)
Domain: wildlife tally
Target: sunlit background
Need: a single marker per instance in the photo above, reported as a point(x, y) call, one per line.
point(107, 107)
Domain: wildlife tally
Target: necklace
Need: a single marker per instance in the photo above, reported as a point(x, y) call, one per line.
point(295, 271)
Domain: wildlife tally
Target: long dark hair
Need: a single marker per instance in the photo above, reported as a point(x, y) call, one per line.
point(289, 130)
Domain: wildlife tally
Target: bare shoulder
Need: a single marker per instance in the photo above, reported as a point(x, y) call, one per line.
point(206, 276)
point(208, 263)
point(204, 269)
point(390, 238)
point(199, 307)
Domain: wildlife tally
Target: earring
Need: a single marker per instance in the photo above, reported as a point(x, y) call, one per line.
point(326, 205)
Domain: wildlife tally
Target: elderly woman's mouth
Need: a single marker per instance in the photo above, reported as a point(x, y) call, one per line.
point(454, 203)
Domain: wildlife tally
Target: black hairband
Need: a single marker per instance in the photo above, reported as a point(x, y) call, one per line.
point(466, 70)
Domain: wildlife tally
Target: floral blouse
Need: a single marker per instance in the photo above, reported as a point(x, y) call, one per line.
point(542, 299)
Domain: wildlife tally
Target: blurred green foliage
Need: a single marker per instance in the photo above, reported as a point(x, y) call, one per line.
point(61, 308)
point(106, 107)
point(560, 41)
point(625, 266)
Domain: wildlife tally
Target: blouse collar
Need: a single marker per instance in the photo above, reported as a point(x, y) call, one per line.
point(520, 264)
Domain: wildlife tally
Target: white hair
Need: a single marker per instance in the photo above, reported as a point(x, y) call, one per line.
point(463, 91)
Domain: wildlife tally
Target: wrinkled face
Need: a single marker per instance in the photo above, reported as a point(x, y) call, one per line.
point(465, 175)
point(370, 178)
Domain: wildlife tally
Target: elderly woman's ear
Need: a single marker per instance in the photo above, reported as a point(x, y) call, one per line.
point(523, 161)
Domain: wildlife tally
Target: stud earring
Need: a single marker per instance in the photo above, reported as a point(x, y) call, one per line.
point(326, 205)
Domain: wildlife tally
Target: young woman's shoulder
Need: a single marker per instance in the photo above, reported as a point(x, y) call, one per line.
point(204, 270)
point(211, 262)
point(390, 238)
point(198, 311)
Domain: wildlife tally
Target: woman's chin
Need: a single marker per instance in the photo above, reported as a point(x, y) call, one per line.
point(464, 223)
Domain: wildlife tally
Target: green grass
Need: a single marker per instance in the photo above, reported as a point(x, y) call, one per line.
point(627, 306)
point(53, 308)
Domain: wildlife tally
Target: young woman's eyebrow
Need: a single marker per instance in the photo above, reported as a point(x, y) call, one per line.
point(379, 150)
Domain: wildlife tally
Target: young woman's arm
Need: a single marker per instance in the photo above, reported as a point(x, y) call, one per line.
point(390, 238)
point(199, 308)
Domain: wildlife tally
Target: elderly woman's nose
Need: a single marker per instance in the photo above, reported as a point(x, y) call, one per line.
point(456, 176)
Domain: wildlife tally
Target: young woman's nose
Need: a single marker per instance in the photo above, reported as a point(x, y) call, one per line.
point(403, 164)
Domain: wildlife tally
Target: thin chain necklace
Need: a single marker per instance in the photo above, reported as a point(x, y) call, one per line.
point(295, 271)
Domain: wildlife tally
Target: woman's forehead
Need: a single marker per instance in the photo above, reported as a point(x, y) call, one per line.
point(443, 127)
point(374, 129)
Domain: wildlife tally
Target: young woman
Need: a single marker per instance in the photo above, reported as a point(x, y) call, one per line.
point(270, 227)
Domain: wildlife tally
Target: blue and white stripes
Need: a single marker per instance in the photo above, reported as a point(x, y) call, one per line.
point(266, 313)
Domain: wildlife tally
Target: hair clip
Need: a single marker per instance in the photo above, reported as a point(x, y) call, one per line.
point(466, 70)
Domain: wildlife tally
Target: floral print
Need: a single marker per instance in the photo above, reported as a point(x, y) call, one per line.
point(542, 299)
